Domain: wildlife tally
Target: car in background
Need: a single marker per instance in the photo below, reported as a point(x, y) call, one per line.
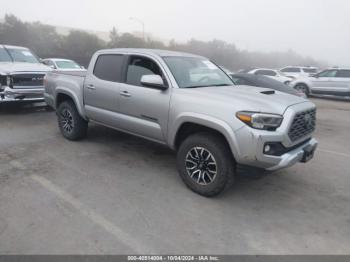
point(21, 75)
point(264, 81)
point(272, 73)
point(334, 81)
point(298, 71)
point(62, 64)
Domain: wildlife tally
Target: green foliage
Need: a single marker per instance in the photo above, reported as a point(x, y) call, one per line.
point(80, 46)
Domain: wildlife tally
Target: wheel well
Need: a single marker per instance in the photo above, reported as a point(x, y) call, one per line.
point(188, 129)
point(61, 98)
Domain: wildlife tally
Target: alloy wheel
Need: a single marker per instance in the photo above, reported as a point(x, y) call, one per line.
point(201, 165)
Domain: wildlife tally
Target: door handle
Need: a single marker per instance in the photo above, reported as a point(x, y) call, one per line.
point(125, 94)
point(91, 87)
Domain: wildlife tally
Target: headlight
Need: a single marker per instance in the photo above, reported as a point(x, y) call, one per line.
point(261, 121)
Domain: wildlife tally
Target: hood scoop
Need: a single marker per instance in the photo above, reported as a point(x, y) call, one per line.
point(268, 92)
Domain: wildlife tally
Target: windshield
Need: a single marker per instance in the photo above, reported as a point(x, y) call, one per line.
point(22, 55)
point(4, 56)
point(192, 72)
point(67, 64)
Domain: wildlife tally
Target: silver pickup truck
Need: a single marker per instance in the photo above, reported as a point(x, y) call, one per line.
point(186, 102)
point(21, 75)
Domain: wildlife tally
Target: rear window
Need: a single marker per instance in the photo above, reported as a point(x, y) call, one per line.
point(109, 67)
point(291, 70)
point(343, 73)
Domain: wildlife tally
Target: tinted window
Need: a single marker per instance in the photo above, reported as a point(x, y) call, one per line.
point(140, 66)
point(4, 56)
point(265, 72)
point(328, 73)
point(310, 70)
point(343, 73)
point(109, 67)
point(291, 70)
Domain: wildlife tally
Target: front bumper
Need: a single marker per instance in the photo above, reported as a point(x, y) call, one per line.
point(33, 94)
point(295, 156)
point(251, 144)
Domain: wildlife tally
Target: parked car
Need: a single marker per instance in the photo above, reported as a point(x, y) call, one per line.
point(211, 123)
point(335, 81)
point(62, 64)
point(21, 75)
point(272, 73)
point(298, 71)
point(264, 81)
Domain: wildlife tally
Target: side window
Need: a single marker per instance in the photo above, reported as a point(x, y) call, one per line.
point(139, 66)
point(265, 72)
point(328, 73)
point(109, 67)
point(343, 73)
point(291, 70)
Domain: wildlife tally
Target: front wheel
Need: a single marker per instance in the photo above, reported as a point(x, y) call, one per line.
point(71, 124)
point(205, 164)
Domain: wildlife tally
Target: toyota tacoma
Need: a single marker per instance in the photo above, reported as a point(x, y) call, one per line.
point(188, 103)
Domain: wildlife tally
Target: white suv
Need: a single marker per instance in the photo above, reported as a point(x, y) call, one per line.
point(297, 71)
point(335, 81)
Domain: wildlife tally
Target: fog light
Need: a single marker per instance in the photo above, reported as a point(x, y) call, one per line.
point(267, 148)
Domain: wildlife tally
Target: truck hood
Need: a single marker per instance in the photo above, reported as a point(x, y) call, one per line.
point(9, 67)
point(248, 98)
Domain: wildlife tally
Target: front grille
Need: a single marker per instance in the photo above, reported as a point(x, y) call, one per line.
point(303, 124)
point(28, 79)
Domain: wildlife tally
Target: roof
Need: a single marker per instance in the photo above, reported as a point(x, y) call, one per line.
point(157, 52)
point(13, 47)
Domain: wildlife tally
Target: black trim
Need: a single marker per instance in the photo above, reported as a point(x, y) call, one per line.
point(277, 149)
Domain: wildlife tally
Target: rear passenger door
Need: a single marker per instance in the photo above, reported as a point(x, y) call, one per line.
point(102, 87)
point(144, 110)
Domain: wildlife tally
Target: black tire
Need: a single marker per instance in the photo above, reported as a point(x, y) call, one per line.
point(76, 127)
point(225, 164)
point(303, 88)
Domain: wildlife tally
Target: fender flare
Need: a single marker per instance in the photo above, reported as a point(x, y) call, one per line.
point(207, 121)
point(73, 96)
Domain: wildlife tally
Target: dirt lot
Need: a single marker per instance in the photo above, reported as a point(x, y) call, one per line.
point(113, 193)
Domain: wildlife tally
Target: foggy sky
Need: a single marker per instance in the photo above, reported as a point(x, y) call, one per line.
point(317, 28)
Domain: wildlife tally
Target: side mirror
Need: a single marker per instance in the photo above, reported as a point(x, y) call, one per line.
point(153, 81)
point(52, 66)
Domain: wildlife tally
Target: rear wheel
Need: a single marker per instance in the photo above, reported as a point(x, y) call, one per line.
point(205, 164)
point(302, 88)
point(71, 124)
